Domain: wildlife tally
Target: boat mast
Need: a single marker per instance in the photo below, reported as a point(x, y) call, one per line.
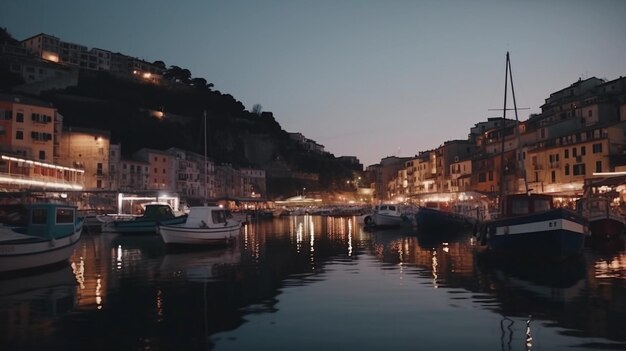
point(520, 159)
point(508, 75)
point(503, 132)
point(206, 162)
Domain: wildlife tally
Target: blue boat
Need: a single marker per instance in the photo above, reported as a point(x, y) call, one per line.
point(530, 226)
point(146, 223)
point(38, 235)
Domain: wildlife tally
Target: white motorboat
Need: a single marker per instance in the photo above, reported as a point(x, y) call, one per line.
point(387, 215)
point(205, 225)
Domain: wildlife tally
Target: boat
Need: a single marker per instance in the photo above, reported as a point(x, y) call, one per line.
point(528, 224)
point(432, 217)
point(605, 220)
point(387, 215)
point(146, 223)
point(204, 225)
point(44, 234)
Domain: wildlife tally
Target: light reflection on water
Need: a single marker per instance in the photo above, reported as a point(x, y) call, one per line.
point(316, 282)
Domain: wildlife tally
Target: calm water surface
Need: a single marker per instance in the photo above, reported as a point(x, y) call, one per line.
point(315, 283)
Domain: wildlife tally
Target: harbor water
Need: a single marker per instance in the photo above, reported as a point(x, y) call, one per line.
point(315, 283)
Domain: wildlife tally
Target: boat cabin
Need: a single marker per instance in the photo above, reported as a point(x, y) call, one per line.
point(158, 212)
point(523, 204)
point(386, 208)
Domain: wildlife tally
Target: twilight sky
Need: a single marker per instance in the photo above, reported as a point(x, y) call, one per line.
point(363, 78)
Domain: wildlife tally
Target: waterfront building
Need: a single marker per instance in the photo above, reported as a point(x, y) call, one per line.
point(228, 182)
point(189, 175)
point(133, 175)
point(27, 127)
point(461, 175)
point(384, 173)
point(161, 170)
point(87, 149)
point(253, 182)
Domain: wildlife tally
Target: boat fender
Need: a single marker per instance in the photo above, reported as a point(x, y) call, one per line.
point(53, 242)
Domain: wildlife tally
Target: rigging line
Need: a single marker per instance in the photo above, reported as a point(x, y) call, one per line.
point(517, 131)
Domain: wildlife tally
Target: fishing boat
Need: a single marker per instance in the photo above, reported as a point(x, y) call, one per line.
point(528, 224)
point(146, 223)
point(204, 225)
point(46, 234)
point(605, 220)
point(386, 215)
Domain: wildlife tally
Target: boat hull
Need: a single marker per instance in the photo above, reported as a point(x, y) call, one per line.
point(433, 221)
point(181, 235)
point(137, 226)
point(557, 233)
point(384, 220)
point(19, 255)
point(606, 228)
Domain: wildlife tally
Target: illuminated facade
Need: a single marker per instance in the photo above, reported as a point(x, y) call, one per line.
point(161, 171)
point(254, 183)
point(87, 149)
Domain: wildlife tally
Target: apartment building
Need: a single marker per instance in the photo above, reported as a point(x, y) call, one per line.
point(161, 171)
point(27, 127)
point(254, 182)
point(87, 149)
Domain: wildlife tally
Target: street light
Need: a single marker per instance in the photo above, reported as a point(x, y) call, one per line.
point(303, 189)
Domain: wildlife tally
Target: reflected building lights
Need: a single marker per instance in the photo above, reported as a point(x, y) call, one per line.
point(349, 238)
point(119, 257)
point(98, 293)
point(159, 305)
point(79, 272)
point(434, 269)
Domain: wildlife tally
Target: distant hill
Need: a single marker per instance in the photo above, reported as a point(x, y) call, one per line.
point(234, 135)
point(142, 114)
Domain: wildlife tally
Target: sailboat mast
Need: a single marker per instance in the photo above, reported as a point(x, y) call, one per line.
point(206, 162)
point(503, 132)
point(520, 159)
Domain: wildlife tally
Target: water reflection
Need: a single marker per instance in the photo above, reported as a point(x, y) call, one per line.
point(32, 303)
point(290, 270)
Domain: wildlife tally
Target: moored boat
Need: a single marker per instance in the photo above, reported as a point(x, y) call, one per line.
point(432, 218)
point(531, 226)
point(205, 225)
point(48, 236)
point(145, 223)
point(605, 220)
point(387, 215)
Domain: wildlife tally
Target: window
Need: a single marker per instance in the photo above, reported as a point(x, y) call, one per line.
point(597, 148)
point(553, 176)
point(19, 117)
point(583, 151)
point(99, 184)
point(519, 206)
point(42, 155)
point(156, 171)
point(579, 169)
point(566, 153)
point(598, 166)
point(567, 169)
point(39, 216)
point(542, 205)
point(19, 135)
point(65, 215)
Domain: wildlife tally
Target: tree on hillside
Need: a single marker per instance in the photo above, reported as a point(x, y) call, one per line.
point(176, 73)
point(201, 84)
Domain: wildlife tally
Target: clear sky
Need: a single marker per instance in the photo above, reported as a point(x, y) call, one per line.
point(363, 78)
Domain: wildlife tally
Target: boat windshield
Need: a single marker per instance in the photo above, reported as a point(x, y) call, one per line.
point(218, 216)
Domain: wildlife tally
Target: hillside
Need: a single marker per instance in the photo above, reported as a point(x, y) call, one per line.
point(234, 135)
